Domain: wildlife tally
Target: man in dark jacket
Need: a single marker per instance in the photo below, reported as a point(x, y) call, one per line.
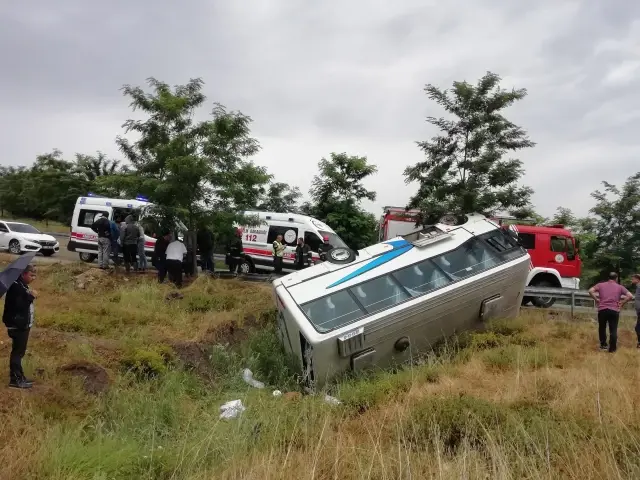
point(159, 259)
point(18, 318)
point(102, 226)
point(205, 245)
point(234, 252)
point(303, 255)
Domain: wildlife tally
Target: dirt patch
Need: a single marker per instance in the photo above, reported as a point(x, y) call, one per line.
point(194, 357)
point(232, 333)
point(95, 378)
point(90, 276)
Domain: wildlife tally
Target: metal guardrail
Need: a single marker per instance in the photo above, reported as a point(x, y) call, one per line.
point(564, 293)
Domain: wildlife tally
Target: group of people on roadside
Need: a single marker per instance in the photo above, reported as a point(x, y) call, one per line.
point(120, 236)
point(302, 259)
point(611, 297)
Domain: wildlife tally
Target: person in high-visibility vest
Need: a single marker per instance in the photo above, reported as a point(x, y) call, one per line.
point(278, 254)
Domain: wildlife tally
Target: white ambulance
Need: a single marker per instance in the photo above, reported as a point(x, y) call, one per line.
point(84, 241)
point(257, 241)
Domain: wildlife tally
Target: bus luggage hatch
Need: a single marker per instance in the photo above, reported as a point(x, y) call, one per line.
point(491, 308)
point(363, 360)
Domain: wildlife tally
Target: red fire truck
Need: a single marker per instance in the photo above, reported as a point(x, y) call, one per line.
point(555, 261)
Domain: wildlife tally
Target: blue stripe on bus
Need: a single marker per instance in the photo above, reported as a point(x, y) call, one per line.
point(399, 247)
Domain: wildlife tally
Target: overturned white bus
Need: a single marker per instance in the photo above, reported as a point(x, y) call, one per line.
point(386, 302)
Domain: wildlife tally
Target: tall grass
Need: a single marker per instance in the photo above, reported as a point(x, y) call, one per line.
point(531, 398)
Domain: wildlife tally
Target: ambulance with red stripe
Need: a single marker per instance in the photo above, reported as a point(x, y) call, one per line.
point(84, 241)
point(553, 249)
point(257, 241)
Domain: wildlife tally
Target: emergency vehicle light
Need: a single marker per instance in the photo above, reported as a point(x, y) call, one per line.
point(91, 194)
point(141, 198)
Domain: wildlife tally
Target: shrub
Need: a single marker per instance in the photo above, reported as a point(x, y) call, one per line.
point(148, 362)
point(507, 327)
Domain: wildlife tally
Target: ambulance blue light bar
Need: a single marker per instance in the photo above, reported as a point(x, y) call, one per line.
point(141, 198)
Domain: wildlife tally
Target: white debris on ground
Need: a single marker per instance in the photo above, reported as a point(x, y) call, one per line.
point(332, 400)
point(231, 409)
point(247, 376)
point(235, 407)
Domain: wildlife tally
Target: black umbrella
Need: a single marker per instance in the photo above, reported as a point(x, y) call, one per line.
point(13, 271)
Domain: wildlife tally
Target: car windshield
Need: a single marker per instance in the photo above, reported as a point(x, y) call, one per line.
point(332, 239)
point(22, 228)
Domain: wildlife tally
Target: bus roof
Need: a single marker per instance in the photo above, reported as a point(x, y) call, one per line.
point(321, 279)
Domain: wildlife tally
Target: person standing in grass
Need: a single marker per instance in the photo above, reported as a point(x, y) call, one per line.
point(159, 259)
point(142, 254)
point(129, 239)
point(18, 318)
point(102, 226)
point(610, 297)
point(278, 254)
point(115, 242)
point(175, 254)
point(635, 279)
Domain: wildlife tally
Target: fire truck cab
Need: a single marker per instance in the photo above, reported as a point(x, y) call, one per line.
point(555, 261)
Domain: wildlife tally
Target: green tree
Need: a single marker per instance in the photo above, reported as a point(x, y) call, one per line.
point(336, 196)
point(615, 229)
point(91, 167)
point(281, 197)
point(189, 168)
point(465, 170)
point(564, 216)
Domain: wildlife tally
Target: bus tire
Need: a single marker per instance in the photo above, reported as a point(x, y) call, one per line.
point(543, 302)
point(340, 255)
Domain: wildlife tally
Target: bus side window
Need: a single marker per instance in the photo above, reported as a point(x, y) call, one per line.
point(313, 240)
point(468, 259)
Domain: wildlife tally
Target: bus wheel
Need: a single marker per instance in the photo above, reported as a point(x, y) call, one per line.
point(341, 255)
point(87, 257)
point(543, 302)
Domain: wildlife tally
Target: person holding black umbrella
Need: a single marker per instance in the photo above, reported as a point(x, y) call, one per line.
point(18, 317)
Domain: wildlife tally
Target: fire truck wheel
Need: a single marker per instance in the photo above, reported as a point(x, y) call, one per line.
point(543, 302)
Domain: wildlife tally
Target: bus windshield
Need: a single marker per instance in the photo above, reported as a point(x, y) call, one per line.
point(332, 239)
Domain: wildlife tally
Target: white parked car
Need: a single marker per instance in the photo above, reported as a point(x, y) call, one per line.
point(21, 237)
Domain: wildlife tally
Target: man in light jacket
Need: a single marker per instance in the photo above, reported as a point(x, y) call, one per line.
point(102, 227)
point(278, 254)
point(142, 255)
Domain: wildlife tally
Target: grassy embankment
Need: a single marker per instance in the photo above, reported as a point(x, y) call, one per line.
point(529, 399)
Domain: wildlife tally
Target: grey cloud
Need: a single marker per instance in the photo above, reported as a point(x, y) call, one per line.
point(340, 75)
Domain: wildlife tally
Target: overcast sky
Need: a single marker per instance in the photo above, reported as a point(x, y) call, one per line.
point(331, 75)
